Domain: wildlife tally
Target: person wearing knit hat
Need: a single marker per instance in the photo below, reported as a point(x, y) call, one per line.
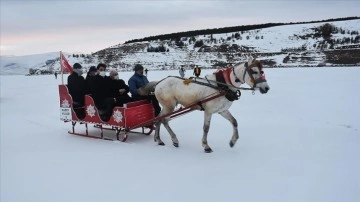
point(137, 81)
point(138, 67)
point(77, 88)
point(77, 66)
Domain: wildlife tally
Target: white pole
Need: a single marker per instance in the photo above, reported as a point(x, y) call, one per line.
point(62, 79)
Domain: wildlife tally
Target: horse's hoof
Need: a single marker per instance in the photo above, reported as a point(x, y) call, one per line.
point(231, 144)
point(208, 150)
point(161, 143)
point(176, 144)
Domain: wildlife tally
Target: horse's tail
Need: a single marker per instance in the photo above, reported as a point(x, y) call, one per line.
point(148, 88)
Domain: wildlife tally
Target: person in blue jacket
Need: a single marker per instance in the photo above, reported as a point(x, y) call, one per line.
point(139, 80)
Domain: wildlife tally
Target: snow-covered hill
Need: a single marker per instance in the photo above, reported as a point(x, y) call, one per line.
point(287, 45)
point(22, 64)
point(39, 63)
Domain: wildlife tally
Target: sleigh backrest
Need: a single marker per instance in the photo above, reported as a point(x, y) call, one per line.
point(91, 111)
point(67, 112)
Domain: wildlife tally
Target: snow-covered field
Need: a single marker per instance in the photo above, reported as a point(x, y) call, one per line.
point(300, 142)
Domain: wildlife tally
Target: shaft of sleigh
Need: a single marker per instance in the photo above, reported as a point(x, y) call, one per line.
point(178, 112)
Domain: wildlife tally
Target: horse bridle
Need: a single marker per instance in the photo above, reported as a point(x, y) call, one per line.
point(250, 72)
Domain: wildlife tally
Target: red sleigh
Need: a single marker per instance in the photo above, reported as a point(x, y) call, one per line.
point(132, 115)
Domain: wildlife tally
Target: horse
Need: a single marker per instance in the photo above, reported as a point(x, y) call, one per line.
point(175, 90)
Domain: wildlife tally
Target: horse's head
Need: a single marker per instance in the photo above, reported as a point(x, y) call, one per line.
point(254, 75)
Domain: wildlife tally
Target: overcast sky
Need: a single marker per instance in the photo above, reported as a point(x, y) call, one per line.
point(40, 26)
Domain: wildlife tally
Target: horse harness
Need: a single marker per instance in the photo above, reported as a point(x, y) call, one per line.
point(250, 72)
point(222, 80)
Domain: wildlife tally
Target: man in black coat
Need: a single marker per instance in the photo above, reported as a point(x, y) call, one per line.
point(77, 86)
point(99, 86)
point(77, 89)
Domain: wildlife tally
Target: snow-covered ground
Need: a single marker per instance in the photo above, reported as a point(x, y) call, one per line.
point(300, 142)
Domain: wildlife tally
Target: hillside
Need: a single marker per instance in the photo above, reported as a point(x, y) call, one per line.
point(22, 64)
point(328, 43)
point(313, 44)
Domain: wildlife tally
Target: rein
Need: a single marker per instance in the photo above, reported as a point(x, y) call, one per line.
point(223, 88)
point(208, 84)
point(230, 86)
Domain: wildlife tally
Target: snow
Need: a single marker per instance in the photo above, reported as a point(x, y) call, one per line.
point(22, 64)
point(299, 142)
point(274, 40)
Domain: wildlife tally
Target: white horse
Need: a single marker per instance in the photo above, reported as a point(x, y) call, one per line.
point(173, 90)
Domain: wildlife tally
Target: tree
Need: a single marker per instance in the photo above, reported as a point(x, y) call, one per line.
point(162, 48)
point(199, 43)
point(326, 30)
point(179, 43)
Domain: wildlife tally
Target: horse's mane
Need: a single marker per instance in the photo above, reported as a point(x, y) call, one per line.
point(255, 63)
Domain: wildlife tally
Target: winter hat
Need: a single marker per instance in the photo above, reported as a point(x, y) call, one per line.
point(92, 69)
point(138, 67)
point(77, 66)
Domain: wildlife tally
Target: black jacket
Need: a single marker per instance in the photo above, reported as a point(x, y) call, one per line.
point(120, 98)
point(89, 83)
point(116, 85)
point(100, 89)
point(77, 88)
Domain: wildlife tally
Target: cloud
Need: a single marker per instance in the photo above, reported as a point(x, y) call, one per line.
point(34, 24)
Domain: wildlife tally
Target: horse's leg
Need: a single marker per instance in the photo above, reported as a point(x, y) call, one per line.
point(165, 121)
point(207, 120)
point(171, 132)
point(157, 132)
point(227, 115)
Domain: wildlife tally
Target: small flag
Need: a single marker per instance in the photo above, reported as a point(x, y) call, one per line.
point(65, 66)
